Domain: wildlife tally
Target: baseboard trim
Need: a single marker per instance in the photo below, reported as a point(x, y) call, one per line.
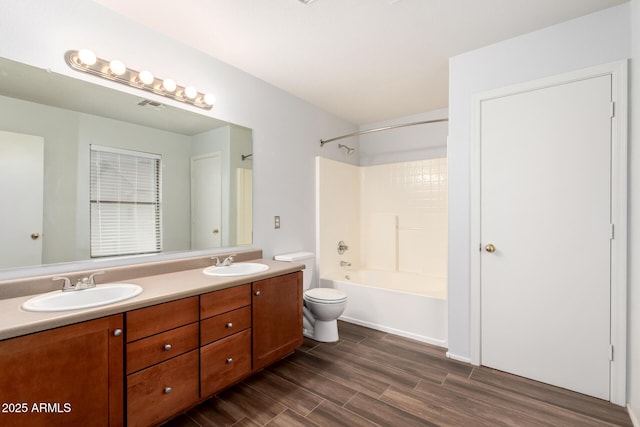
point(458, 358)
point(421, 338)
point(634, 419)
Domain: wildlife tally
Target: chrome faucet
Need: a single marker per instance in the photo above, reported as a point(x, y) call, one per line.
point(227, 261)
point(66, 286)
point(342, 247)
point(84, 283)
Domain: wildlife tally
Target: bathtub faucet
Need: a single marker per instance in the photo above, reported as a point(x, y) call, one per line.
point(345, 264)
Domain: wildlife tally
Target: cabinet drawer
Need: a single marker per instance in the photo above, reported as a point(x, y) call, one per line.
point(163, 390)
point(225, 324)
point(219, 302)
point(149, 321)
point(160, 347)
point(224, 362)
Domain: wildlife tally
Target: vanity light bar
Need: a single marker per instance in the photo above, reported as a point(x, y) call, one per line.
point(86, 61)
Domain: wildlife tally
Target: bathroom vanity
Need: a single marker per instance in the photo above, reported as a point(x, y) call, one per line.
point(140, 362)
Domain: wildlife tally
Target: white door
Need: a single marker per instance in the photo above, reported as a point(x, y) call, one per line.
point(21, 195)
point(545, 207)
point(206, 201)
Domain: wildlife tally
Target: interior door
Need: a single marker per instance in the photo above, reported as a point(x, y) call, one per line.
point(545, 233)
point(206, 201)
point(21, 196)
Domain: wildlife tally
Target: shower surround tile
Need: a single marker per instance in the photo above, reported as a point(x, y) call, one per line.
point(411, 197)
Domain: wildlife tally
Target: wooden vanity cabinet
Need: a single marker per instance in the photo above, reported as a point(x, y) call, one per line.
point(68, 376)
point(277, 318)
point(225, 338)
point(176, 354)
point(162, 361)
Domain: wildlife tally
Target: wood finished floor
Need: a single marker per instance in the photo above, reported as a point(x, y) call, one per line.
point(371, 378)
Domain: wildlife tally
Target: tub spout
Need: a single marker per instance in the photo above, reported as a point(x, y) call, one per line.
point(345, 264)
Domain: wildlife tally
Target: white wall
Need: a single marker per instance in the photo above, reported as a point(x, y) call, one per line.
point(60, 129)
point(241, 144)
point(174, 149)
point(633, 361)
point(403, 144)
point(67, 136)
point(590, 40)
point(286, 130)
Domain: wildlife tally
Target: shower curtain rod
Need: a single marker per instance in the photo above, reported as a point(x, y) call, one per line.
point(362, 132)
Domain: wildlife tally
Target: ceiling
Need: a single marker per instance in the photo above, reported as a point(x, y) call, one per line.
point(362, 60)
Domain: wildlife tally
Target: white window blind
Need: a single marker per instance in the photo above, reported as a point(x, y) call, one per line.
point(125, 202)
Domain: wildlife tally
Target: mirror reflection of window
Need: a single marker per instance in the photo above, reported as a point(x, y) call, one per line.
point(69, 125)
point(125, 202)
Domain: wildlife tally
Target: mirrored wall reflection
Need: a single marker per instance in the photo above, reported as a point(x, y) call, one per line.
point(205, 178)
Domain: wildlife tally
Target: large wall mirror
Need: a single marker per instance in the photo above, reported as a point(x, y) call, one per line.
point(48, 126)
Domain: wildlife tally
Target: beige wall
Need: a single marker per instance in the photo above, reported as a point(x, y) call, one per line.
point(338, 216)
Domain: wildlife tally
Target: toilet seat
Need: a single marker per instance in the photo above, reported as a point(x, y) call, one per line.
point(325, 296)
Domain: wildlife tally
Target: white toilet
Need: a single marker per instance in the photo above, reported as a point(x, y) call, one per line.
point(322, 306)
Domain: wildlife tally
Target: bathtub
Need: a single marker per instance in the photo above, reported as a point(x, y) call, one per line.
point(409, 305)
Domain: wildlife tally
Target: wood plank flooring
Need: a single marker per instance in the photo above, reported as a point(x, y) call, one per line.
point(371, 378)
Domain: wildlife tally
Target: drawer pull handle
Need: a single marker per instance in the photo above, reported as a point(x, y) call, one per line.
point(167, 347)
point(229, 325)
point(167, 390)
point(117, 332)
point(257, 293)
point(229, 360)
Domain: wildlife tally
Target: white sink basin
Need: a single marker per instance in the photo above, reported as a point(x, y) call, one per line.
point(237, 269)
point(85, 298)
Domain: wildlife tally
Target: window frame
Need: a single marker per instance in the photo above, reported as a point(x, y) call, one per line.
point(154, 244)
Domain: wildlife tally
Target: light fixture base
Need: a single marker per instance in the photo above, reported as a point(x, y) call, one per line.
point(133, 78)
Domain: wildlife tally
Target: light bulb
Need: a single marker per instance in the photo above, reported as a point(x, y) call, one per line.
point(190, 92)
point(209, 99)
point(86, 57)
point(117, 67)
point(169, 85)
point(146, 77)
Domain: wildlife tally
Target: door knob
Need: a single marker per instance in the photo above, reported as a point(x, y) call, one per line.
point(490, 248)
point(34, 236)
point(216, 231)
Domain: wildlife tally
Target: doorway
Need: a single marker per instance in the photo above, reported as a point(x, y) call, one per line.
point(206, 201)
point(21, 192)
point(549, 227)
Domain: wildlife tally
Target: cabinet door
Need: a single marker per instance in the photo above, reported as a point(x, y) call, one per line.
point(69, 376)
point(277, 318)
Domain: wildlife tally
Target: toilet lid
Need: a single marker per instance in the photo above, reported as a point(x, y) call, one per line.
point(325, 295)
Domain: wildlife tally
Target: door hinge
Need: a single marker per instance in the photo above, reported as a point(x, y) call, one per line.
point(610, 353)
point(613, 109)
point(611, 232)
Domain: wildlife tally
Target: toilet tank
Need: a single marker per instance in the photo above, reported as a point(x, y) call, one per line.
point(306, 258)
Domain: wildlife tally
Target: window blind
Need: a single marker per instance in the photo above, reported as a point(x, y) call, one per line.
point(125, 202)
